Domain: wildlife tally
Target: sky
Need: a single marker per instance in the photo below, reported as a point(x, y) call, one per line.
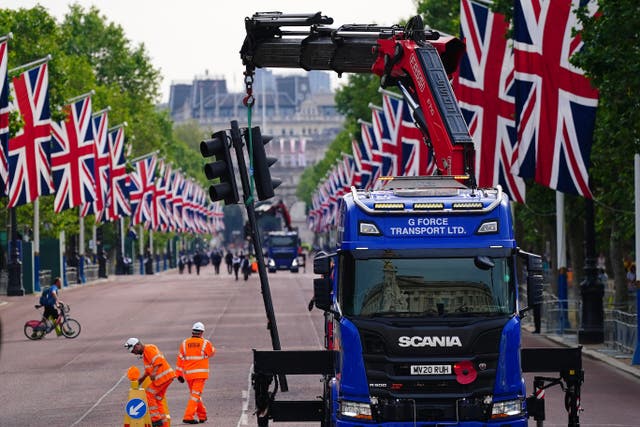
point(187, 38)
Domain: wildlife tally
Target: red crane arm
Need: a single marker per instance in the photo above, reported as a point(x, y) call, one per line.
point(418, 61)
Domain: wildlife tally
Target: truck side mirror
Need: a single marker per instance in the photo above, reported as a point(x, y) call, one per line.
point(534, 289)
point(322, 293)
point(534, 278)
point(322, 264)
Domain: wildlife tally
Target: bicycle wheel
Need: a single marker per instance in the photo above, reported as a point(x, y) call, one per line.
point(33, 332)
point(70, 328)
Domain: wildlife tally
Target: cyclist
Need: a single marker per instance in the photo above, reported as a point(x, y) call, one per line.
point(50, 301)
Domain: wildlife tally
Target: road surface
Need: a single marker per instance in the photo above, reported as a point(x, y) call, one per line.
point(81, 382)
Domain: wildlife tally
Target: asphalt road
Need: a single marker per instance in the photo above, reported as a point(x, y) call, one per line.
point(81, 382)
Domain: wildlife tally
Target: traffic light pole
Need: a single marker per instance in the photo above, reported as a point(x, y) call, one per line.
point(236, 139)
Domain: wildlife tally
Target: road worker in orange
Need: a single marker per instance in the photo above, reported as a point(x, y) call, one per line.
point(193, 365)
point(159, 372)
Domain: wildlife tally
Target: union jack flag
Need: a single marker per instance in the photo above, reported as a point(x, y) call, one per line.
point(141, 188)
point(177, 200)
point(117, 204)
point(371, 152)
point(386, 147)
point(29, 150)
point(72, 157)
point(555, 103)
point(4, 117)
point(159, 219)
point(362, 164)
point(167, 184)
point(415, 157)
point(485, 90)
point(187, 194)
point(101, 162)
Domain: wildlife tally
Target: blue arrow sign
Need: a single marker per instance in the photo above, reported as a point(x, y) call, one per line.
point(136, 408)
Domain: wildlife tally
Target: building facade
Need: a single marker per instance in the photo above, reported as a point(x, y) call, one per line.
point(297, 110)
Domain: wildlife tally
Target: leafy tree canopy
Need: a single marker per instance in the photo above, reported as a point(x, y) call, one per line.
point(91, 54)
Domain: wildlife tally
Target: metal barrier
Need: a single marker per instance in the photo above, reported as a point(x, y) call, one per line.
point(564, 318)
point(4, 282)
point(620, 331)
point(91, 272)
point(72, 275)
point(45, 278)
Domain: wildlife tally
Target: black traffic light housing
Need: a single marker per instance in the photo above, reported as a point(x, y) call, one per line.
point(265, 184)
point(221, 169)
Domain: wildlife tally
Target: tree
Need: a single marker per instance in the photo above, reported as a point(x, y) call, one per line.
point(90, 53)
point(611, 60)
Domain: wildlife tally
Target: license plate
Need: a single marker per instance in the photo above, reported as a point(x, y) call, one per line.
point(430, 369)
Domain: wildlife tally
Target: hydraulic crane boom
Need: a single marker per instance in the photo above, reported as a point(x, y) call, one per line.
point(417, 60)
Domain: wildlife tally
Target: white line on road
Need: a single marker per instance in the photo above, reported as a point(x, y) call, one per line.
point(98, 402)
point(246, 394)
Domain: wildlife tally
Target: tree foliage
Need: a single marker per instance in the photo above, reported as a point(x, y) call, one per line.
point(89, 53)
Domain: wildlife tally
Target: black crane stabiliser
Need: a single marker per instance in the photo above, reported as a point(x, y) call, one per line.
point(269, 364)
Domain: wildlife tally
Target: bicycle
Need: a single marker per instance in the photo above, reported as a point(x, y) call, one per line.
point(63, 325)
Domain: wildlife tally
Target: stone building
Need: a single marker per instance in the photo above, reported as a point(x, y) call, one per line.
point(298, 110)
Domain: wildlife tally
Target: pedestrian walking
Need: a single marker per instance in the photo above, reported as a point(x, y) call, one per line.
point(197, 260)
point(189, 263)
point(228, 259)
point(237, 259)
point(181, 263)
point(192, 365)
point(216, 260)
point(159, 372)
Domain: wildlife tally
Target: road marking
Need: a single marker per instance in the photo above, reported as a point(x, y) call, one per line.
point(98, 402)
point(244, 418)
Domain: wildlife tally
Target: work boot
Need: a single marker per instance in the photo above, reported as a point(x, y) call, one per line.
point(202, 420)
point(190, 421)
point(158, 423)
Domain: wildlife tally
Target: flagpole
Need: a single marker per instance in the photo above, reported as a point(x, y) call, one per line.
point(104, 110)
point(31, 64)
point(391, 94)
point(83, 96)
point(144, 156)
point(9, 36)
point(81, 249)
point(36, 244)
point(121, 125)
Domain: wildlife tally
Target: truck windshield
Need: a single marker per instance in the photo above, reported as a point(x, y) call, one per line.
point(283, 240)
point(427, 287)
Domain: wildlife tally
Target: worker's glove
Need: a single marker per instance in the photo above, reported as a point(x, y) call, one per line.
point(180, 379)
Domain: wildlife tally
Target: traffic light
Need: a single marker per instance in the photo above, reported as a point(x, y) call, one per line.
point(261, 164)
point(222, 168)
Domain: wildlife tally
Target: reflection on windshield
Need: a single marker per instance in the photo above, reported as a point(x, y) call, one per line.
point(426, 287)
point(282, 240)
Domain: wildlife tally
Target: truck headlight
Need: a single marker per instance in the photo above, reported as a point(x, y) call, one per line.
point(359, 410)
point(507, 408)
point(271, 262)
point(294, 263)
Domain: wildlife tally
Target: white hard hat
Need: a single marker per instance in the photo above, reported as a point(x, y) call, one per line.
point(198, 326)
point(130, 343)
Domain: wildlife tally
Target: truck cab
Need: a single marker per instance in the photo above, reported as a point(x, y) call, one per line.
point(423, 306)
point(282, 251)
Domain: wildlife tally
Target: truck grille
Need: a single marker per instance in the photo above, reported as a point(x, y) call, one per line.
point(400, 396)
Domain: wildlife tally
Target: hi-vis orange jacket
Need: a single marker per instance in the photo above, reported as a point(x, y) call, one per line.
point(156, 366)
point(193, 358)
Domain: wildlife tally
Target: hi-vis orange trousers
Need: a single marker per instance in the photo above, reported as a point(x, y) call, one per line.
point(155, 394)
point(195, 405)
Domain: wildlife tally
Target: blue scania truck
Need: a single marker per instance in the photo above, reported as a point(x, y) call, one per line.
point(419, 289)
